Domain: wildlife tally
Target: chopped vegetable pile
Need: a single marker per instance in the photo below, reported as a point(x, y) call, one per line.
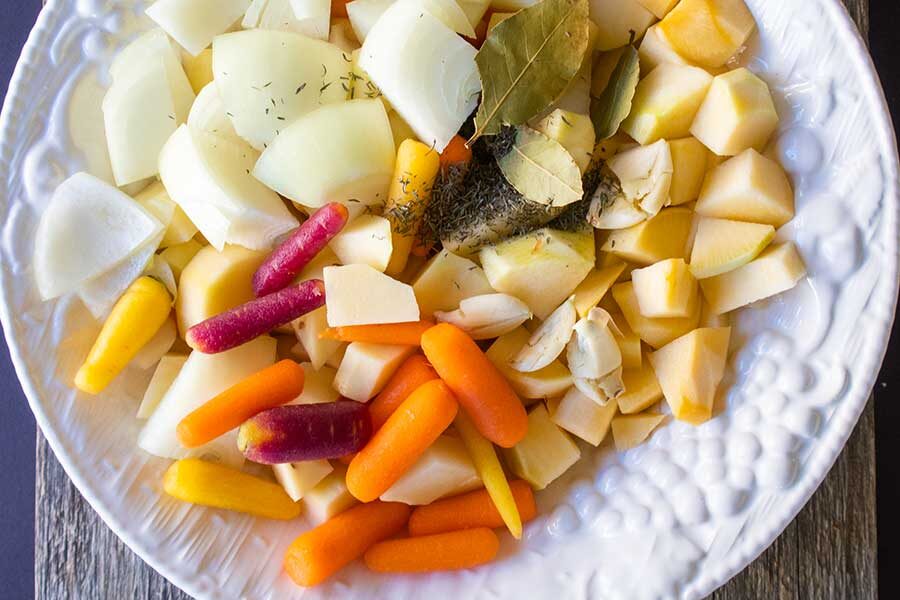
point(419, 255)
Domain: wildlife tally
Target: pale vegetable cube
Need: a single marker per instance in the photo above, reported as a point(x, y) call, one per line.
point(630, 431)
point(660, 8)
point(156, 200)
point(163, 377)
point(689, 161)
point(194, 23)
point(308, 330)
point(738, 113)
point(710, 319)
point(298, 479)
point(749, 187)
point(446, 281)
point(619, 22)
point(641, 389)
point(581, 416)
point(444, 469)
point(329, 498)
point(721, 245)
point(318, 385)
point(665, 103)
point(360, 295)
point(661, 237)
point(541, 268)
point(366, 368)
point(574, 132)
point(363, 15)
point(474, 10)
point(322, 157)
point(655, 50)
point(198, 69)
point(689, 370)
point(666, 289)
point(313, 17)
point(776, 270)
point(365, 241)
point(629, 342)
point(552, 380)
point(208, 113)
point(279, 15)
point(592, 289)
point(655, 331)
point(708, 32)
point(544, 454)
point(179, 256)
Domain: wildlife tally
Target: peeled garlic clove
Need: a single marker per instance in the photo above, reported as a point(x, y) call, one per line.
point(593, 352)
point(548, 341)
point(610, 209)
point(601, 316)
point(612, 384)
point(589, 388)
point(644, 177)
point(487, 316)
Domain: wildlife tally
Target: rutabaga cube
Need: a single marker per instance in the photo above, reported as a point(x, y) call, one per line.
point(659, 8)
point(708, 32)
point(629, 342)
point(298, 479)
point(329, 498)
point(360, 295)
point(641, 389)
point(166, 372)
point(308, 329)
point(630, 431)
point(658, 238)
point(619, 22)
point(581, 416)
point(655, 49)
point(318, 385)
point(574, 131)
point(655, 331)
point(366, 368)
point(666, 289)
point(365, 241)
point(444, 469)
point(339, 152)
point(194, 23)
point(722, 245)
point(689, 161)
point(738, 113)
point(749, 187)
point(446, 281)
point(776, 270)
point(548, 382)
point(179, 256)
point(545, 453)
point(592, 289)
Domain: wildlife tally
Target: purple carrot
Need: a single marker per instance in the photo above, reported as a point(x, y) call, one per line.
point(248, 321)
point(289, 258)
point(306, 432)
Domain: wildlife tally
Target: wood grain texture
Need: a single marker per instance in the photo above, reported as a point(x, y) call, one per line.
point(828, 552)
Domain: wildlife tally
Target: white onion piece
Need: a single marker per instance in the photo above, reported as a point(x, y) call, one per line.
point(194, 23)
point(363, 15)
point(208, 113)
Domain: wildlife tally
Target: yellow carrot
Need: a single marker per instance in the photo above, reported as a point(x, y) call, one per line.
point(209, 484)
point(414, 174)
point(491, 472)
point(133, 322)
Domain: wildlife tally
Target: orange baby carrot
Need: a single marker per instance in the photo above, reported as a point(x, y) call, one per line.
point(440, 552)
point(398, 334)
point(407, 379)
point(455, 153)
point(396, 447)
point(319, 553)
point(467, 511)
point(480, 388)
point(271, 387)
point(339, 8)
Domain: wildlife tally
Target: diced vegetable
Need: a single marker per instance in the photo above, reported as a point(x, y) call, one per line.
point(160, 344)
point(488, 316)
point(574, 131)
point(166, 372)
point(655, 331)
point(552, 380)
point(593, 287)
point(446, 281)
point(308, 330)
point(399, 334)
point(689, 160)
point(209, 484)
point(305, 432)
point(321, 552)
point(655, 49)
point(156, 200)
point(641, 389)
point(631, 430)
point(299, 478)
point(317, 385)
point(179, 256)
point(313, 17)
point(580, 415)
point(619, 21)
point(366, 369)
point(721, 245)
point(444, 469)
point(413, 373)
point(365, 241)
point(545, 453)
point(469, 511)
point(629, 342)
point(208, 113)
point(363, 15)
point(194, 23)
point(360, 295)
point(198, 69)
point(664, 236)
point(708, 32)
point(439, 552)
point(329, 497)
point(659, 8)
point(396, 447)
point(666, 289)
point(480, 388)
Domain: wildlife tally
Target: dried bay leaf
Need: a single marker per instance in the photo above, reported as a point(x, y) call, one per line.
point(613, 105)
point(542, 170)
point(528, 60)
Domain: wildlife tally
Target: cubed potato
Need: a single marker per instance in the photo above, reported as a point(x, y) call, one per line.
point(630, 431)
point(661, 237)
point(444, 469)
point(656, 332)
point(592, 289)
point(666, 102)
point(299, 478)
point(166, 371)
point(545, 453)
point(642, 390)
point(708, 32)
point(360, 295)
point(365, 241)
point(329, 498)
point(446, 281)
point(710, 319)
point(738, 113)
point(659, 8)
point(629, 342)
point(318, 385)
point(689, 370)
point(722, 245)
point(619, 22)
point(581, 416)
point(366, 368)
point(776, 270)
point(666, 289)
point(574, 131)
point(552, 380)
point(749, 187)
point(689, 161)
point(655, 50)
point(308, 329)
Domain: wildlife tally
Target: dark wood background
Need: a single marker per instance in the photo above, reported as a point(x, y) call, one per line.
point(829, 551)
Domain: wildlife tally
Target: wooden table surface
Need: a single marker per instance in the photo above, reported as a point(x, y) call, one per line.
point(828, 552)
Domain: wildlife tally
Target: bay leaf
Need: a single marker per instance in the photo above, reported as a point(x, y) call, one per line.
point(541, 169)
point(613, 105)
point(527, 61)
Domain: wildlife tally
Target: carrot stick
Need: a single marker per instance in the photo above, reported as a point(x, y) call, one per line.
point(398, 334)
point(480, 388)
point(455, 153)
point(411, 374)
point(441, 552)
point(319, 553)
point(271, 387)
point(467, 511)
point(396, 447)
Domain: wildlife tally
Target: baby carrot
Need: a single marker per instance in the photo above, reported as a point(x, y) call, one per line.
point(319, 553)
point(411, 374)
point(480, 388)
point(398, 334)
point(455, 153)
point(440, 552)
point(271, 387)
point(467, 511)
point(396, 447)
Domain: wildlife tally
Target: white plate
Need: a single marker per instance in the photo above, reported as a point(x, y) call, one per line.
point(674, 518)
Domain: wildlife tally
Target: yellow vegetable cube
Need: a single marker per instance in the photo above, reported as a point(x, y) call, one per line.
point(641, 389)
point(660, 8)
point(581, 416)
point(446, 281)
point(329, 497)
point(180, 255)
point(619, 22)
point(666, 289)
point(708, 32)
point(689, 161)
point(545, 453)
point(655, 50)
point(366, 368)
point(444, 469)
point(721, 245)
point(552, 380)
point(198, 68)
point(590, 291)
point(630, 431)
point(658, 238)
point(629, 342)
point(656, 332)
